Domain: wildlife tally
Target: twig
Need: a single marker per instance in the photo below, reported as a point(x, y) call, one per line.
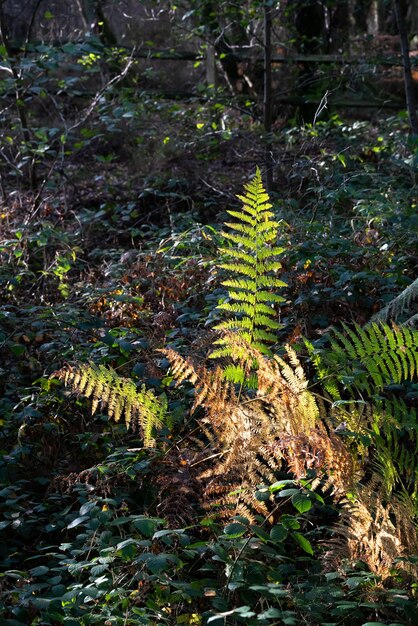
point(114, 81)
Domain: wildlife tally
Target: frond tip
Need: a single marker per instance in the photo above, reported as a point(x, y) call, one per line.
point(141, 408)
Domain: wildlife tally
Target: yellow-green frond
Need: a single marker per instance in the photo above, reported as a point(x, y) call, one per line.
point(252, 259)
point(140, 408)
point(240, 268)
point(375, 354)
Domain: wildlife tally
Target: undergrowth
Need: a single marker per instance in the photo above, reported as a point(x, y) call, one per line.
point(279, 483)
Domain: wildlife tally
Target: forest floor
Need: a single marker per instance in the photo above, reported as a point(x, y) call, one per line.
point(119, 259)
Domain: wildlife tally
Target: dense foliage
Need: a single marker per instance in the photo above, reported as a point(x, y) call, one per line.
point(272, 476)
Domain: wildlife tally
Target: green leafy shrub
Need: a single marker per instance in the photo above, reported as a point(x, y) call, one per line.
point(139, 534)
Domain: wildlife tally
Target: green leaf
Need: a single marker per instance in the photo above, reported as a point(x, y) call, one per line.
point(158, 563)
point(260, 532)
point(124, 544)
point(38, 571)
point(77, 521)
point(280, 484)
point(278, 533)
point(87, 507)
point(96, 570)
point(17, 349)
point(91, 592)
point(235, 529)
point(288, 492)
point(290, 522)
point(301, 502)
point(146, 525)
point(262, 495)
point(303, 542)
point(270, 613)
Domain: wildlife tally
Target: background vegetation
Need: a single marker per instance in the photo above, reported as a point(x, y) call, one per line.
point(277, 482)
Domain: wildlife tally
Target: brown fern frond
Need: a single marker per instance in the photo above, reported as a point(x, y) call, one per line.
point(375, 529)
point(229, 500)
point(253, 434)
point(248, 500)
point(181, 368)
point(284, 386)
point(324, 453)
point(215, 394)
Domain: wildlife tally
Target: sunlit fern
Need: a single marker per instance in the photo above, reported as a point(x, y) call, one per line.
point(395, 458)
point(252, 435)
point(375, 529)
point(358, 370)
point(367, 359)
point(140, 408)
point(251, 262)
point(377, 523)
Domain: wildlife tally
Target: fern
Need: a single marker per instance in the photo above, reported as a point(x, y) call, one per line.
point(367, 359)
point(251, 260)
point(139, 407)
point(399, 306)
point(379, 524)
point(251, 434)
point(375, 530)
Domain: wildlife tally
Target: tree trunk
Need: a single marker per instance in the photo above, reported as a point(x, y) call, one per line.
point(409, 83)
point(233, 71)
point(211, 78)
point(311, 38)
point(26, 135)
point(373, 19)
point(340, 19)
point(95, 20)
point(267, 104)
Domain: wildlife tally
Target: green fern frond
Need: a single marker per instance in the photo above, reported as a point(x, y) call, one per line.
point(252, 258)
point(235, 373)
point(141, 408)
point(368, 359)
